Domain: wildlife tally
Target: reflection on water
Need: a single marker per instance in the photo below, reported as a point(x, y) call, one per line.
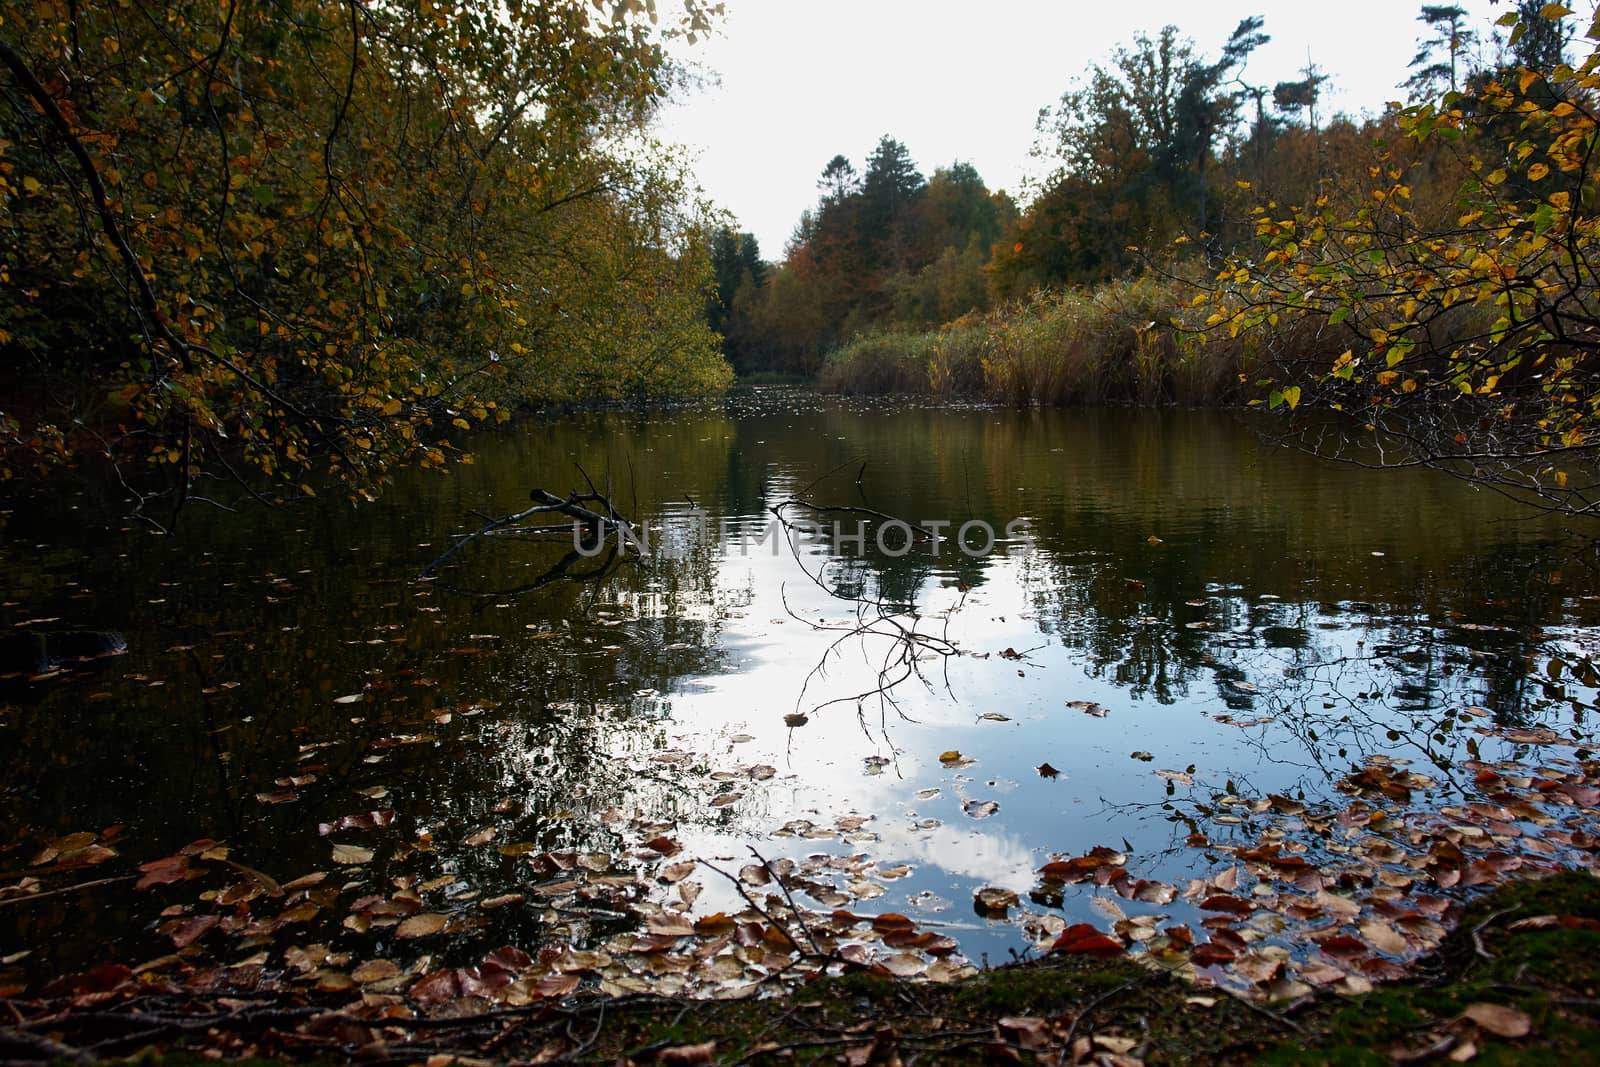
point(1181, 598)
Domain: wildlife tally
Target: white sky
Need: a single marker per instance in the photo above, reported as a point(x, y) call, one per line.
point(803, 80)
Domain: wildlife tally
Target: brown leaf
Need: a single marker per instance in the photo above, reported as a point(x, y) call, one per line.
point(1024, 1031)
point(375, 971)
point(1499, 1019)
point(993, 903)
point(1081, 937)
point(189, 931)
point(351, 855)
point(425, 925)
point(1384, 937)
point(687, 1055)
point(670, 925)
point(160, 872)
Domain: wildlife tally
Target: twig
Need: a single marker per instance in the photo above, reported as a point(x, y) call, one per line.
point(26, 898)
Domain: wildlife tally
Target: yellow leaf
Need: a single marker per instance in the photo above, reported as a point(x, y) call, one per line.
point(461, 424)
point(31, 184)
point(1537, 172)
point(1561, 479)
point(1291, 396)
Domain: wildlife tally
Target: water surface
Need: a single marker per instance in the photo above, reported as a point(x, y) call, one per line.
point(1183, 614)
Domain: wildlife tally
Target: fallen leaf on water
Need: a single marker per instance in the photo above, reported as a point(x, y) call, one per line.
point(425, 925)
point(1088, 707)
point(348, 698)
point(351, 855)
point(993, 903)
point(1081, 937)
point(480, 837)
point(670, 925)
point(163, 871)
point(189, 931)
point(1047, 771)
point(1384, 937)
point(796, 720)
point(980, 809)
point(995, 716)
point(375, 971)
point(1176, 776)
point(953, 758)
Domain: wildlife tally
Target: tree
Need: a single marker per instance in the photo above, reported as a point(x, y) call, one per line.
point(889, 192)
point(1469, 343)
point(1436, 65)
point(737, 267)
point(1133, 144)
point(839, 180)
point(1538, 43)
point(311, 239)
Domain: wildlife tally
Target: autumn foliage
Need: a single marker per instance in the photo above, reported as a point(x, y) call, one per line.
point(1459, 330)
point(305, 238)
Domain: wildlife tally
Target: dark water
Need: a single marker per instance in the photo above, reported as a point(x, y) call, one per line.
point(1246, 617)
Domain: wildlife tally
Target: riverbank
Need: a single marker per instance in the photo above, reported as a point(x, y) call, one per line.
point(1122, 343)
point(1517, 981)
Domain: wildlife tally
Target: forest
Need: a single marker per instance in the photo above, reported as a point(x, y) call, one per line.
point(295, 243)
point(682, 722)
point(1205, 238)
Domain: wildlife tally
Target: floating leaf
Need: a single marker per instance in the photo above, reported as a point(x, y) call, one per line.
point(351, 855)
point(1083, 938)
point(425, 925)
point(993, 903)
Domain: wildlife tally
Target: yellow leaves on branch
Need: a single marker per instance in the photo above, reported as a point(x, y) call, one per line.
point(338, 245)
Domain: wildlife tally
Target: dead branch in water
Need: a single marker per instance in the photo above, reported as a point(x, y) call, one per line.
point(909, 645)
point(594, 521)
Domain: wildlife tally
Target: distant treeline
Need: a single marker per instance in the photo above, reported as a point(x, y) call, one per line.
point(1160, 159)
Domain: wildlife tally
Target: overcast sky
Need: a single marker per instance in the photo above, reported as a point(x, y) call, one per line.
point(803, 80)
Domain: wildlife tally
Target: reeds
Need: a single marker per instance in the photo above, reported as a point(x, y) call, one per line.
point(1125, 342)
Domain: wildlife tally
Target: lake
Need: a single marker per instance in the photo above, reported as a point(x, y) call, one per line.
point(1193, 661)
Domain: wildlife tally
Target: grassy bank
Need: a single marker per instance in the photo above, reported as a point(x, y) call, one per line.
point(1517, 982)
point(1125, 342)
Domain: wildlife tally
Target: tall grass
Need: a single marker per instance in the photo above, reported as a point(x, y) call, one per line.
point(893, 362)
point(1115, 344)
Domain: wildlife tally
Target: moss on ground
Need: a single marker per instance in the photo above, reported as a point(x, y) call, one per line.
point(1531, 950)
